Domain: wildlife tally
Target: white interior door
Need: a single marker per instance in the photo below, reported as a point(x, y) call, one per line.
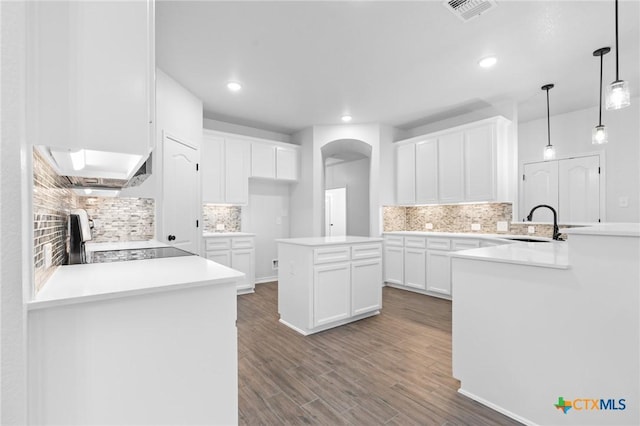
point(540, 186)
point(335, 212)
point(180, 195)
point(579, 190)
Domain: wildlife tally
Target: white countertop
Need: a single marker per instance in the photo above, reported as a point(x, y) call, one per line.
point(71, 284)
point(604, 229)
point(227, 234)
point(547, 255)
point(326, 241)
point(465, 235)
point(91, 246)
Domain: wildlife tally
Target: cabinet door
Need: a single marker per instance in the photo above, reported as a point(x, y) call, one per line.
point(331, 293)
point(237, 156)
point(451, 167)
point(427, 172)
point(94, 86)
point(479, 164)
point(366, 286)
point(212, 169)
point(394, 265)
point(263, 161)
point(406, 174)
point(579, 189)
point(540, 186)
point(439, 272)
point(222, 257)
point(415, 268)
point(286, 163)
point(243, 261)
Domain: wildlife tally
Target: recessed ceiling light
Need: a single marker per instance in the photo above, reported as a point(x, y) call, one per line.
point(488, 62)
point(234, 86)
point(346, 118)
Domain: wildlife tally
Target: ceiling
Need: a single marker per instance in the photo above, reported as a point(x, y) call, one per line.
point(403, 64)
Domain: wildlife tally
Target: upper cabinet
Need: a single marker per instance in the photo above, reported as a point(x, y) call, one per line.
point(274, 160)
point(92, 75)
point(473, 162)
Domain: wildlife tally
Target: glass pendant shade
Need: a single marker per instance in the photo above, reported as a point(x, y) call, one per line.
point(549, 152)
point(599, 135)
point(618, 95)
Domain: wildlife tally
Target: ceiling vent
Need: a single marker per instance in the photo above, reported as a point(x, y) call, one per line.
point(469, 9)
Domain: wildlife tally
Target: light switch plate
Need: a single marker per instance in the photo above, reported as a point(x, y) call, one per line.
point(531, 229)
point(502, 226)
point(220, 227)
point(475, 226)
point(428, 226)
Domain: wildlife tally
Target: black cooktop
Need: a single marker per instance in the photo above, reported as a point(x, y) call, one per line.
point(135, 254)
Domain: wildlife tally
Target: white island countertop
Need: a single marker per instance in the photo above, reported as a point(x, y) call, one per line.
point(327, 241)
point(72, 284)
point(547, 255)
point(607, 229)
point(227, 234)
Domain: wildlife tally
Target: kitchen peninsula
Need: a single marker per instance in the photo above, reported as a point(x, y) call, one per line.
point(539, 323)
point(325, 282)
point(149, 341)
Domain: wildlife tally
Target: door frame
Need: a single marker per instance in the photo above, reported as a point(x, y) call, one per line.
point(326, 219)
point(603, 178)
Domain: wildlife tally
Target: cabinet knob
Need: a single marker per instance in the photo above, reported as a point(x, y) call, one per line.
point(171, 237)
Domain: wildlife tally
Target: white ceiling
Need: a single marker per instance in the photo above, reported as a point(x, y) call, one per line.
point(403, 64)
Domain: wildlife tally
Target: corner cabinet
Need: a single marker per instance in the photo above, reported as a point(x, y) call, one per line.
point(325, 285)
point(474, 162)
point(92, 75)
point(236, 252)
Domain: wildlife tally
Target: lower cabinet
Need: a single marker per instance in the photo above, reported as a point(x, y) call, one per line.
point(439, 272)
point(394, 265)
point(415, 268)
point(236, 253)
point(325, 286)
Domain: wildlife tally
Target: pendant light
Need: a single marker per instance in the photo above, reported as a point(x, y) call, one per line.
point(549, 150)
point(618, 92)
point(599, 135)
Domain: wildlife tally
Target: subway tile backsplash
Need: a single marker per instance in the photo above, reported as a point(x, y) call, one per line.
point(228, 216)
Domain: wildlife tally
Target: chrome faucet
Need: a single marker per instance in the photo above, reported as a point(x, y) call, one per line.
point(556, 231)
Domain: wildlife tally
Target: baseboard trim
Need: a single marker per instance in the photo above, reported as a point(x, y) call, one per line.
point(497, 408)
point(266, 280)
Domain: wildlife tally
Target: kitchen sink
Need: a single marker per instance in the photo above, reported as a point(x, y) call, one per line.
point(528, 240)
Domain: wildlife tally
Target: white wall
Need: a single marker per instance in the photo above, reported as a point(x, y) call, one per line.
point(354, 175)
point(571, 135)
point(15, 257)
point(238, 129)
point(267, 216)
point(305, 217)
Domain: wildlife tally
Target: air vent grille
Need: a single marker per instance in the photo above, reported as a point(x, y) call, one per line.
point(469, 9)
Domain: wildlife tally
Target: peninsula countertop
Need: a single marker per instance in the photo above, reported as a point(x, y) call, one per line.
point(328, 241)
point(72, 284)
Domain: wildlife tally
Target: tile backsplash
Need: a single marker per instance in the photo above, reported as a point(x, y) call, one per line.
point(228, 216)
point(120, 219)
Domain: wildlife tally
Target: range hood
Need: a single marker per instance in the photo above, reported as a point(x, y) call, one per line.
point(85, 168)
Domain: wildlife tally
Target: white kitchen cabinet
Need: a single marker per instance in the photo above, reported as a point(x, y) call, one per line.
point(225, 166)
point(415, 268)
point(331, 293)
point(427, 172)
point(286, 163)
point(323, 284)
point(263, 160)
point(365, 297)
point(406, 174)
point(236, 252)
point(451, 167)
point(439, 272)
point(394, 259)
point(92, 83)
point(479, 163)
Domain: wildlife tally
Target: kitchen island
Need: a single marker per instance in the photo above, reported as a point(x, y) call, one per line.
point(325, 282)
point(139, 342)
point(540, 330)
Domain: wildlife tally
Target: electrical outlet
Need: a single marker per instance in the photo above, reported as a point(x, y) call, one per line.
point(279, 220)
point(502, 226)
point(274, 264)
point(428, 226)
point(531, 229)
point(220, 227)
point(48, 255)
point(623, 202)
point(475, 227)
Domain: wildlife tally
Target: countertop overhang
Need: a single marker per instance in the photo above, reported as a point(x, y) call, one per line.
point(327, 241)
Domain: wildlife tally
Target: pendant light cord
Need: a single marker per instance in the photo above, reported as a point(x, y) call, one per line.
point(548, 122)
point(617, 77)
point(600, 104)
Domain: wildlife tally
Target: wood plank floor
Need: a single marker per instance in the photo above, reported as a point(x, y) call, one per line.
point(394, 368)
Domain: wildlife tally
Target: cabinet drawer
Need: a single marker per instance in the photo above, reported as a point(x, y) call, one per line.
point(242, 242)
point(465, 244)
point(366, 251)
point(216, 243)
point(415, 242)
point(394, 240)
point(438, 243)
point(331, 254)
